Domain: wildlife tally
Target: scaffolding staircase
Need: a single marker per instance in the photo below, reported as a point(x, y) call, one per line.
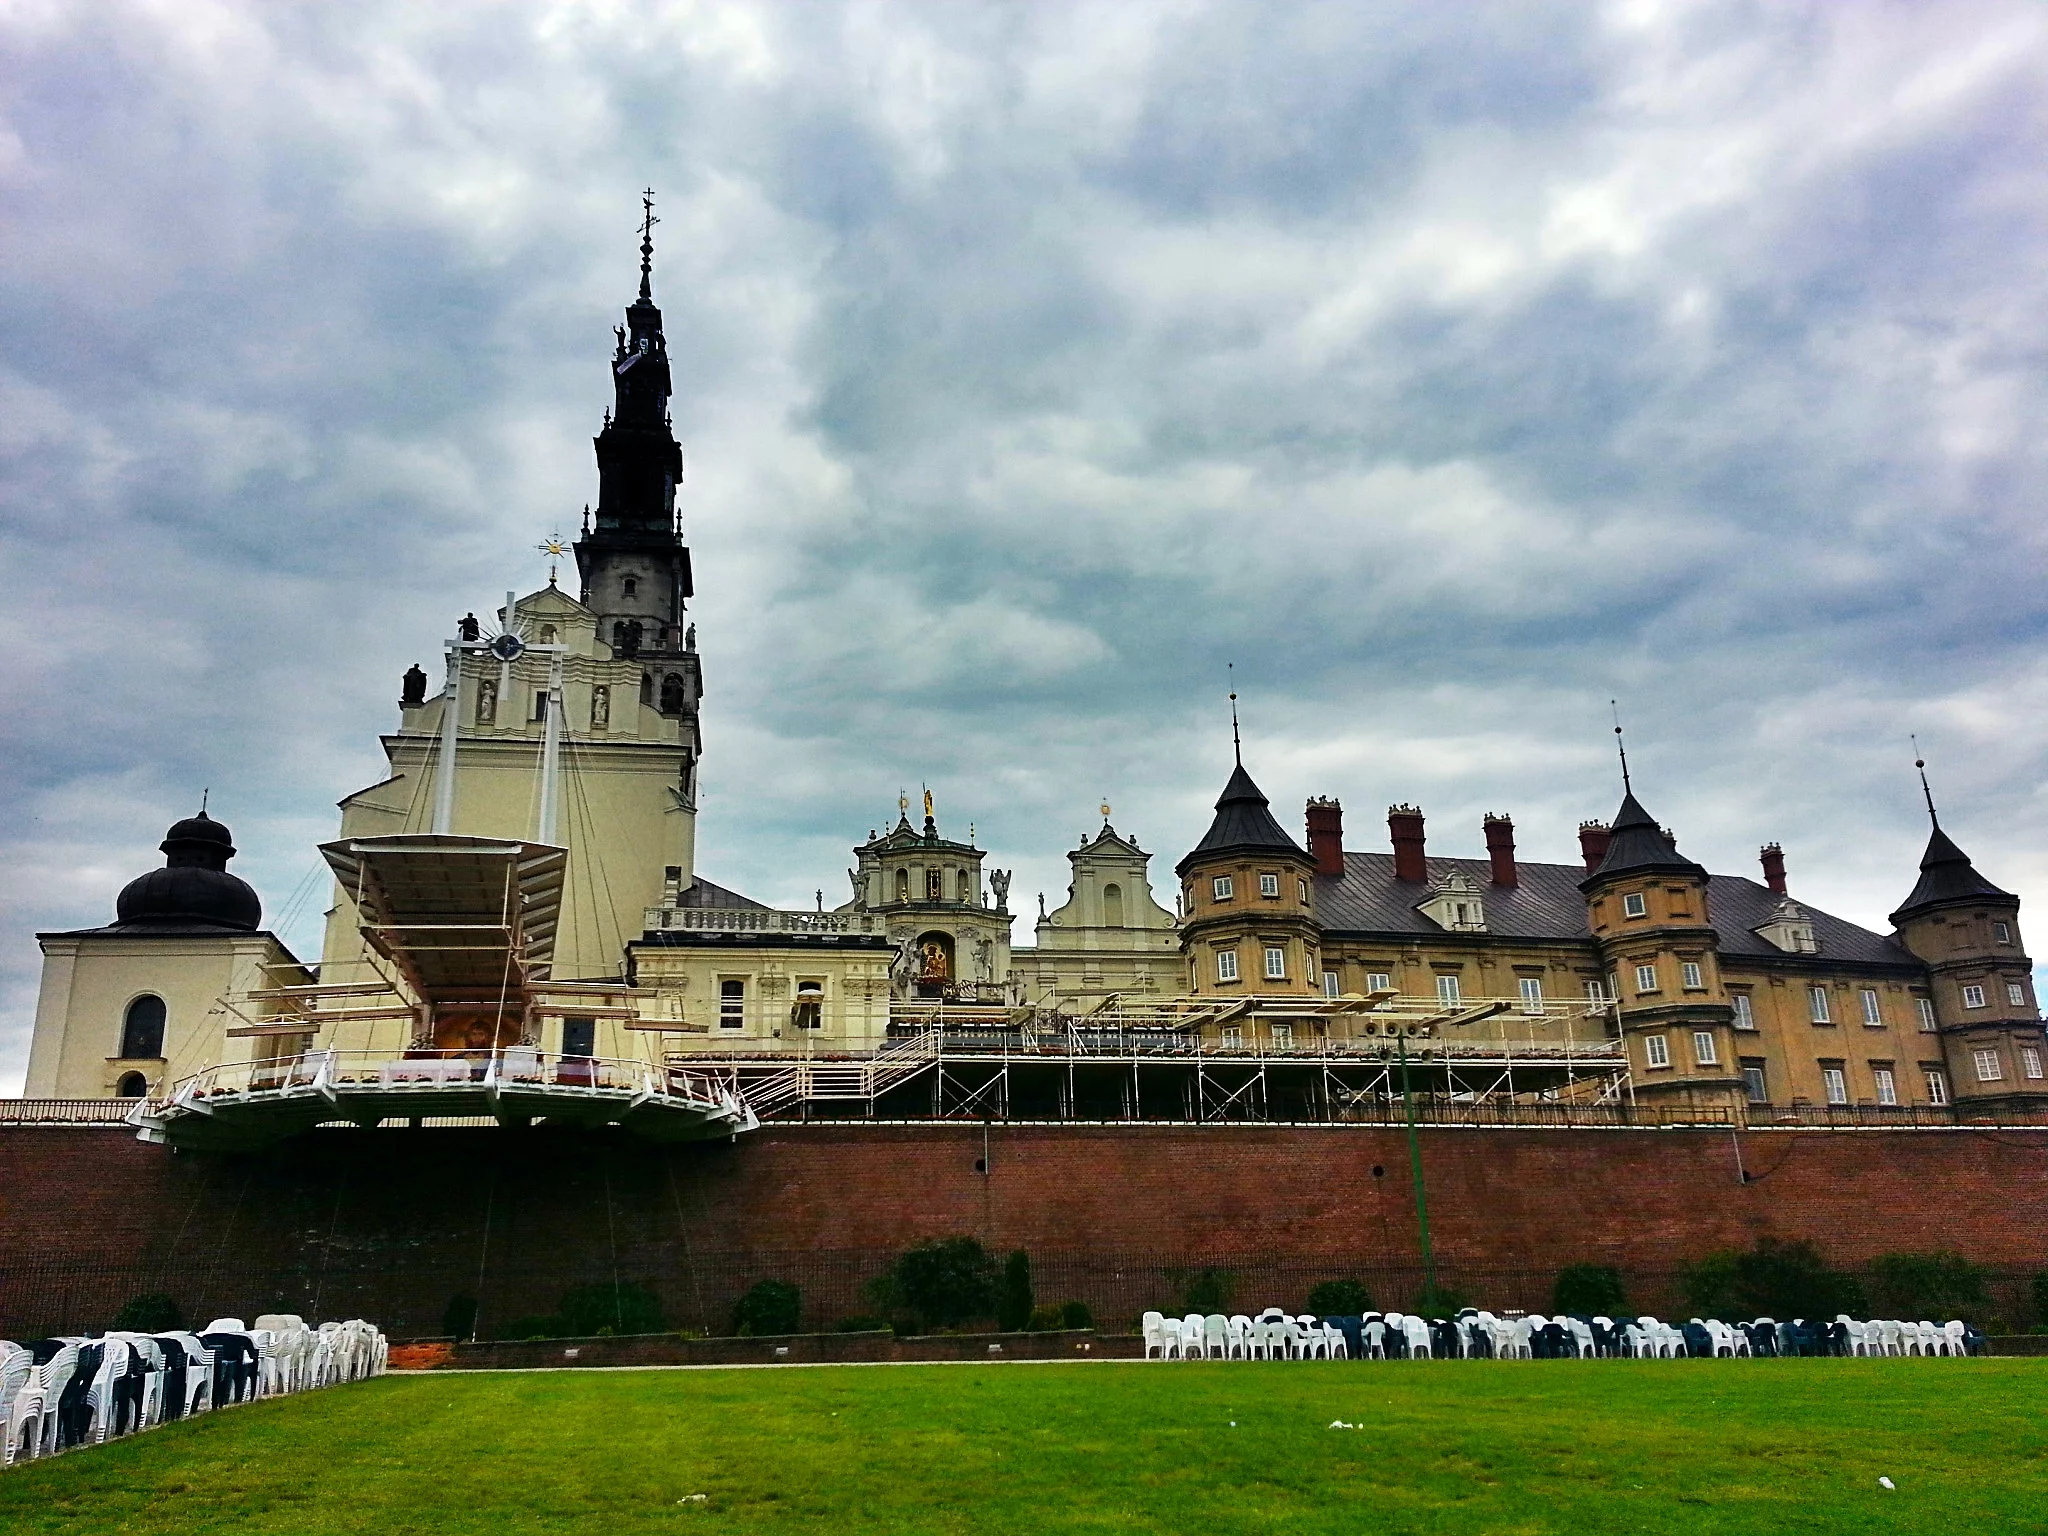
point(770, 1087)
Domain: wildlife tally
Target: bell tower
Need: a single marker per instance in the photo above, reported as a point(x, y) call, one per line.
point(634, 565)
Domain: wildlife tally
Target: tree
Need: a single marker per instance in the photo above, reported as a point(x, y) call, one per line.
point(1937, 1286)
point(1208, 1290)
point(1773, 1279)
point(614, 1308)
point(1588, 1290)
point(458, 1318)
point(769, 1307)
point(946, 1281)
point(1013, 1304)
point(1340, 1298)
point(151, 1312)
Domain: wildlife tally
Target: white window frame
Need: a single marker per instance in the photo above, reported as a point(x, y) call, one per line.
point(1269, 885)
point(1937, 1085)
point(1222, 888)
point(2002, 932)
point(1635, 904)
point(732, 1004)
point(1596, 992)
point(1656, 1052)
point(1756, 1084)
point(1835, 1084)
point(1304, 890)
point(2016, 994)
point(1887, 1085)
point(1283, 1037)
point(1703, 1051)
point(1531, 988)
point(1694, 978)
point(1817, 1009)
point(1924, 1006)
point(1973, 996)
point(1276, 962)
point(1226, 965)
point(2030, 1061)
point(1330, 984)
point(1873, 1014)
point(1232, 1037)
point(811, 992)
point(1646, 979)
point(1745, 1010)
point(1379, 981)
point(1447, 989)
point(1989, 1068)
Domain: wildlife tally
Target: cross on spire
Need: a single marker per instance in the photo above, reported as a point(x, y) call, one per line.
point(647, 223)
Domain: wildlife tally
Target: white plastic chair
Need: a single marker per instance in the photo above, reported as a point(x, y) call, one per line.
point(1240, 1338)
point(1153, 1327)
point(1373, 1333)
point(1420, 1346)
point(1191, 1346)
point(16, 1367)
point(1215, 1337)
point(1335, 1345)
point(1956, 1332)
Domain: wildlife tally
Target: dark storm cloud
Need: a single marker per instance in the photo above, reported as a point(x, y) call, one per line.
point(1449, 369)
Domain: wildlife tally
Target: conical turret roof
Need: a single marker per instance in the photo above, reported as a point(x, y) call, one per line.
point(1243, 823)
point(1638, 846)
point(1946, 874)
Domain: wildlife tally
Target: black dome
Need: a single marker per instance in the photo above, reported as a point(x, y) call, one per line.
point(194, 886)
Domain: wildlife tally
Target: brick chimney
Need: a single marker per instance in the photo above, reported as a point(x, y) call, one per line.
point(1774, 866)
point(1326, 835)
point(1594, 836)
point(1404, 826)
point(1500, 848)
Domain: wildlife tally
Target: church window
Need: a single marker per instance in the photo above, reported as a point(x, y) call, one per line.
point(934, 885)
point(1817, 1005)
point(626, 637)
point(1693, 977)
point(1656, 1053)
point(540, 703)
point(2030, 1060)
point(1925, 1007)
point(673, 695)
point(547, 634)
point(1646, 979)
point(1447, 989)
point(1226, 965)
point(1269, 885)
point(1937, 1085)
point(1703, 1048)
point(1834, 1084)
point(809, 1011)
point(1973, 997)
point(1221, 888)
point(1745, 1013)
point(966, 886)
point(2016, 994)
point(1276, 963)
point(133, 1085)
point(1871, 1013)
point(732, 1004)
point(1887, 1085)
point(1379, 981)
point(903, 885)
point(630, 587)
point(1532, 994)
point(1112, 906)
point(2002, 932)
point(142, 1029)
point(1634, 904)
point(1988, 1068)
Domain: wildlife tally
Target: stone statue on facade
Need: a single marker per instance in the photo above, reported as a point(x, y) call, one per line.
point(999, 882)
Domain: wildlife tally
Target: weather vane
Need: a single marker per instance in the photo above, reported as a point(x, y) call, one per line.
point(556, 551)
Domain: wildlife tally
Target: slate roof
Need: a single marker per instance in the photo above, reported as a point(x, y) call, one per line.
point(1946, 874)
point(1638, 846)
point(1367, 900)
point(1242, 821)
point(705, 895)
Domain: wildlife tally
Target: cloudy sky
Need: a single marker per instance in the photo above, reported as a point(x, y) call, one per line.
point(1448, 369)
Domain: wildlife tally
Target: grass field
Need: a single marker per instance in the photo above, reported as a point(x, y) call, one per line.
point(1701, 1446)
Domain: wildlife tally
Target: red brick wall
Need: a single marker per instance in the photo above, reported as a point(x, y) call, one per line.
point(390, 1224)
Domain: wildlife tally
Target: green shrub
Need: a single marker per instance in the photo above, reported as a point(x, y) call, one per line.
point(1208, 1290)
point(151, 1312)
point(1075, 1314)
point(1045, 1319)
point(1340, 1298)
point(1773, 1279)
point(1013, 1301)
point(945, 1282)
point(1588, 1290)
point(531, 1328)
point(859, 1324)
point(1438, 1301)
point(458, 1318)
point(1937, 1286)
point(769, 1307)
point(623, 1308)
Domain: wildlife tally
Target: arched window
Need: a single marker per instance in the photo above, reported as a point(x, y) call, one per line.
point(133, 1085)
point(142, 1029)
point(967, 885)
point(646, 687)
point(672, 694)
point(903, 885)
point(630, 586)
point(1112, 906)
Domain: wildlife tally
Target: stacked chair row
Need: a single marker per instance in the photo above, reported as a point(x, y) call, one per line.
point(1477, 1335)
point(56, 1394)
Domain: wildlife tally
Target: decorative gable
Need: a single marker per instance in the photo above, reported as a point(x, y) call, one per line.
point(1455, 905)
point(1789, 929)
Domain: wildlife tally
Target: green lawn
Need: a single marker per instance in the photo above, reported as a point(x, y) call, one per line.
point(1681, 1446)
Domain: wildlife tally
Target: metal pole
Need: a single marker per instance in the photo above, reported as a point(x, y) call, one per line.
point(551, 751)
point(451, 719)
point(1415, 1169)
